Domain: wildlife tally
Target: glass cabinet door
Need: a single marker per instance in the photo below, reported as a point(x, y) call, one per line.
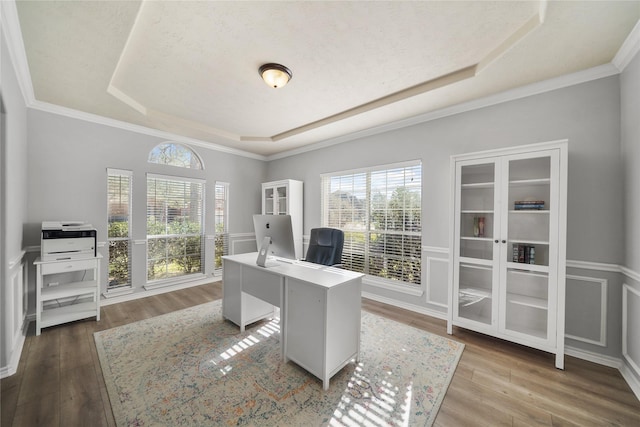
point(269, 205)
point(475, 231)
point(282, 200)
point(525, 296)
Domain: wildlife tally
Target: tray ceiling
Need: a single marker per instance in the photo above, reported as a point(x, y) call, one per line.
point(191, 67)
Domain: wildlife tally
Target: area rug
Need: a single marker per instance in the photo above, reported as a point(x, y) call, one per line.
point(192, 368)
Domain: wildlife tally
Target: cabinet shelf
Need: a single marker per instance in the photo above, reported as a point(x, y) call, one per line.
point(476, 211)
point(522, 267)
point(69, 290)
point(479, 239)
point(530, 211)
point(470, 296)
point(477, 185)
point(527, 182)
point(528, 301)
point(67, 313)
point(477, 261)
point(529, 242)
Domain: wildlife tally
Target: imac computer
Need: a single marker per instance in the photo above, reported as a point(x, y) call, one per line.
point(274, 237)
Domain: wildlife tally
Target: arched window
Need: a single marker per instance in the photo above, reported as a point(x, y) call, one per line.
point(174, 154)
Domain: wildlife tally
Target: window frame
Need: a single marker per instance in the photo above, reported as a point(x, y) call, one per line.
point(224, 234)
point(168, 161)
point(129, 174)
point(171, 278)
point(366, 189)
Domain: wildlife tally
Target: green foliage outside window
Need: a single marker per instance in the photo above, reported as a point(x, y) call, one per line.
point(387, 243)
point(118, 254)
point(174, 248)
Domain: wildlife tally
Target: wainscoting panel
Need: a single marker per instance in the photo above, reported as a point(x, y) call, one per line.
point(586, 309)
point(241, 243)
point(437, 291)
point(14, 315)
point(631, 327)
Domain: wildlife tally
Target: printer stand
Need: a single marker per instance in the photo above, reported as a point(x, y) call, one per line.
point(58, 302)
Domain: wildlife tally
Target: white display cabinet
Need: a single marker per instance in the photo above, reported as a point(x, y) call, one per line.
point(67, 290)
point(285, 198)
point(508, 257)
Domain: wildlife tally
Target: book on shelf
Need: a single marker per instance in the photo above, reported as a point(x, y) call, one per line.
point(528, 204)
point(524, 254)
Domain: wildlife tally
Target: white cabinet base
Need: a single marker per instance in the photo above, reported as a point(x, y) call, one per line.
point(66, 301)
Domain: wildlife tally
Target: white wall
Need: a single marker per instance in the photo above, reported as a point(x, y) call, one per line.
point(13, 193)
point(587, 114)
point(630, 101)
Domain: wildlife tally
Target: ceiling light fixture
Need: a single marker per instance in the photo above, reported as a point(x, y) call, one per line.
point(275, 75)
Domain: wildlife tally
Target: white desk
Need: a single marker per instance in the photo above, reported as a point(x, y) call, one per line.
point(319, 309)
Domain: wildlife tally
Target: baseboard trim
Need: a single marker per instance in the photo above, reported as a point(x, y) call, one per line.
point(631, 379)
point(12, 367)
point(405, 305)
point(590, 356)
point(159, 290)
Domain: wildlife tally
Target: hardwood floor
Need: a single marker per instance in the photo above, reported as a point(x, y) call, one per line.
point(59, 380)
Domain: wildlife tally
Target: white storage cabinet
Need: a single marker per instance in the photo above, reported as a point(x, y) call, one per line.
point(58, 301)
point(285, 198)
point(508, 257)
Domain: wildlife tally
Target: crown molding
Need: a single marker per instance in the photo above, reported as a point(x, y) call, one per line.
point(537, 88)
point(106, 121)
point(629, 49)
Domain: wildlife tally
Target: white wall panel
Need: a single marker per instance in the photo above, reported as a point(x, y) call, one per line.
point(586, 309)
point(437, 287)
point(631, 327)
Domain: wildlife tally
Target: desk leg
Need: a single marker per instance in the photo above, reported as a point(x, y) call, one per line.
point(325, 384)
point(283, 320)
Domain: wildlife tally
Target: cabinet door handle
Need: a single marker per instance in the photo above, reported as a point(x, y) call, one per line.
point(496, 240)
point(504, 241)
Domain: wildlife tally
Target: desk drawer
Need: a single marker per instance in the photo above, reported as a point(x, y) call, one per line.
point(65, 266)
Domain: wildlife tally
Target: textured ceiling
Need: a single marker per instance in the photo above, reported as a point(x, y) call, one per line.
point(191, 67)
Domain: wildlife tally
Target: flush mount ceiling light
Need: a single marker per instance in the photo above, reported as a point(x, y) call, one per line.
point(275, 75)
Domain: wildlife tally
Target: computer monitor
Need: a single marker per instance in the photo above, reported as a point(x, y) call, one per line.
point(278, 229)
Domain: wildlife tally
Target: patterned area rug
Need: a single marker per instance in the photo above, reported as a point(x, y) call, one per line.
point(192, 368)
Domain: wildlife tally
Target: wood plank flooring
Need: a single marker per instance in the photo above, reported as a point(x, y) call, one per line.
point(59, 380)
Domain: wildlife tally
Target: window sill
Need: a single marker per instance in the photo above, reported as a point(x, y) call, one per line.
point(174, 281)
point(112, 293)
point(393, 286)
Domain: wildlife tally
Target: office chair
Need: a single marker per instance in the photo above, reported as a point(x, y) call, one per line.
point(325, 246)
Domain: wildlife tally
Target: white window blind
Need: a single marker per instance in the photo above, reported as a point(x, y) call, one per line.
point(379, 210)
point(221, 223)
point(175, 209)
point(119, 227)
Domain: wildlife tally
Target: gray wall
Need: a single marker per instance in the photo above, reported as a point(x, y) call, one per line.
point(588, 115)
point(68, 161)
point(630, 101)
point(13, 193)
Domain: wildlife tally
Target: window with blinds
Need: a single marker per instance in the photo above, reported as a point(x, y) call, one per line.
point(119, 227)
point(174, 226)
point(222, 233)
point(379, 210)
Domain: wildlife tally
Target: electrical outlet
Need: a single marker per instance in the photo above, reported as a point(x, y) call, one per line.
point(53, 283)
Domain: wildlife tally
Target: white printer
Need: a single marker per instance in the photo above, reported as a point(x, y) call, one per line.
point(67, 240)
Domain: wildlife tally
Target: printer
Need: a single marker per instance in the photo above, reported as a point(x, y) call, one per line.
point(62, 240)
